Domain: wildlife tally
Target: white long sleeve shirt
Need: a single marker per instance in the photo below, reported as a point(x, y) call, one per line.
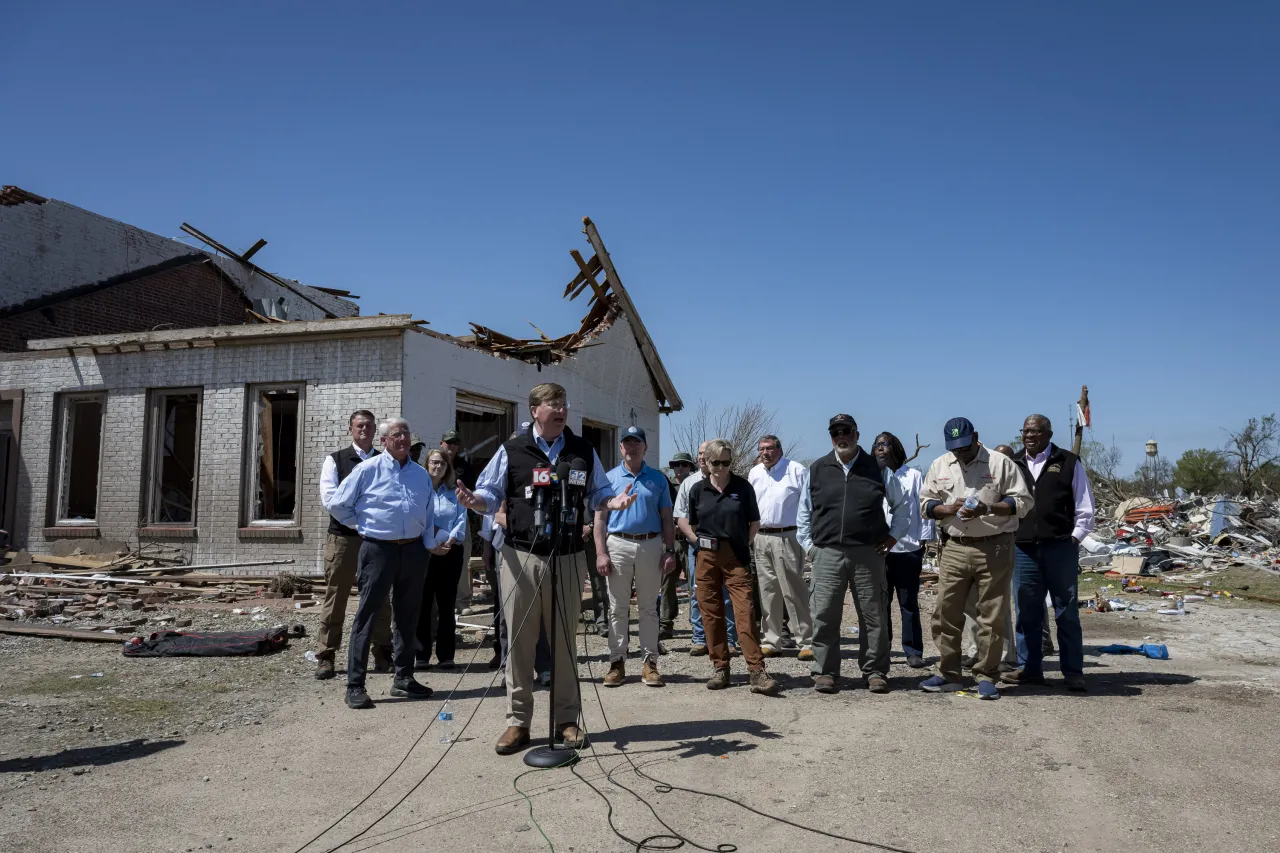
point(919, 530)
point(778, 490)
point(329, 474)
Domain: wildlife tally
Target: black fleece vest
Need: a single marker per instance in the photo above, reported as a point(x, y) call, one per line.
point(1054, 513)
point(847, 510)
point(346, 459)
point(523, 455)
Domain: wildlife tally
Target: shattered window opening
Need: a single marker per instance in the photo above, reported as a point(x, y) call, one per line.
point(273, 462)
point(601, 437)
point(483, 424)
point(174, 457)
point(79, 459)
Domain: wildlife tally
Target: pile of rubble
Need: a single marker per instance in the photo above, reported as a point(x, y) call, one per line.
point(117, 594)
point(1185, 539)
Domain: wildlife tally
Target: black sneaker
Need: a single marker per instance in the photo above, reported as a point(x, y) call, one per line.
point(420, 665)
point(410, 689)
point(602, 629)
point(786, 642)
point(968, 662)
point(358, 699)
point(445, 664)
point(496, 660)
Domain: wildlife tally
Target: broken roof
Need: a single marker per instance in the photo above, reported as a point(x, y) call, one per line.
point(608, 300)
point(54, 248)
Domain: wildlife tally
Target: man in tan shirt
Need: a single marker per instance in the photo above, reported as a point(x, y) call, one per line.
point(977, 497)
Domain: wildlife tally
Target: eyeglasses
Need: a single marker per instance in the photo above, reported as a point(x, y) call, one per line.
point(720, 463)
point(557, 405)
point(882, 444)
point(1033, 432)
point(682, 465)
point(839, 431)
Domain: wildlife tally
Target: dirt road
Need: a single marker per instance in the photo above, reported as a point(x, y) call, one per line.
point(255, 755)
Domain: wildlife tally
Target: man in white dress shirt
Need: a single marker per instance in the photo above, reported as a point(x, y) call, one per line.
point(779, 482)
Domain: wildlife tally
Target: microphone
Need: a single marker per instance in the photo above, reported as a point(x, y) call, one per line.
point(562, 474)
point(541, 486)
point(573, 481)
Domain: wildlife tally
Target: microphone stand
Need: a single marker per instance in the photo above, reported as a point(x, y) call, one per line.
point(554, 754)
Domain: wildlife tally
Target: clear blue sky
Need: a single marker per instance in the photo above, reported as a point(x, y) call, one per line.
point(905, 211)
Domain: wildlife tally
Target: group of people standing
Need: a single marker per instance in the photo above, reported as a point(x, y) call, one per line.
point(858, 521)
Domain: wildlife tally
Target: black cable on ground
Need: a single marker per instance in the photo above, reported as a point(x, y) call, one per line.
point(418, 740)
point(663, 787)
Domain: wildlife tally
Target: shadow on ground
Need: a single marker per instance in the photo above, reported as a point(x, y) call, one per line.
point(96, 756)
point(691, 737)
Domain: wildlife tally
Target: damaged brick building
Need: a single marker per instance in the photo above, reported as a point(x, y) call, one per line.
point(153, 391)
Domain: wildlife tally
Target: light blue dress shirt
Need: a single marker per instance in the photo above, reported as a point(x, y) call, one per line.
point(383, 499)
point(491, 485)
point(653, 495)
point(450, 518)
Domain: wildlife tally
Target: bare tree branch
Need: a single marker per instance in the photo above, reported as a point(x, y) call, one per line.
point(741, 425)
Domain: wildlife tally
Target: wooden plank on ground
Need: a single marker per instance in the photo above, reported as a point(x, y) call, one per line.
point(60, 633)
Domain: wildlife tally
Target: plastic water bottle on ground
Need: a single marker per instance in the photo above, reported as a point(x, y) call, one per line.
point(445, 722)
point(310, 657)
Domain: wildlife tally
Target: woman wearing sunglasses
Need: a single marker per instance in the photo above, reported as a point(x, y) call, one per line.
point(722, 522)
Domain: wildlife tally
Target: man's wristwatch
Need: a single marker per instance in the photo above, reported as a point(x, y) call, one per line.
point(671, 551)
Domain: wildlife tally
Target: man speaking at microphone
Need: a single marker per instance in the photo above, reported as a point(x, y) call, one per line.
point(520, 474)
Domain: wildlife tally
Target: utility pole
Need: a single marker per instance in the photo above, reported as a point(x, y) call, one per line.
point(1082, 419)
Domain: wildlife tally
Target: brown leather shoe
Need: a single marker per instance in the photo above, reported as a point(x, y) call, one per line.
point(514, 739)
point(570, 735)
point(616, 675)
point(877, 684)
point(324, 669)
point(698, 650)
point(719, 679)
point(649, 674)
point(761, 683)
point(825, 684)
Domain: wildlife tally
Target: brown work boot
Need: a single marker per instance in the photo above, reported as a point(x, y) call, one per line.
point(825, 684)
point(382, 661)
point(616, 675)
point(324, 669)
point(761, 683)
point(570, 735)
point(719, 679)
point(877, 684)
point(805, 654)
point(512, 740)
point(649, 674)
point(698, 650)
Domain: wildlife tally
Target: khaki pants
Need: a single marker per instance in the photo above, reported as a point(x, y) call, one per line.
point(714, 570)
point(341, 553)
point(1010, 654)
point(526, 595)
point(780, 568)
point(986, 564)
point(639, 561)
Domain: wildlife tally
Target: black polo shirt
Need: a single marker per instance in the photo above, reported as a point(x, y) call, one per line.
point(725, 515)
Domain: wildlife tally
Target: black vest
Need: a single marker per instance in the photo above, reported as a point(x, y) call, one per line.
point(346, 459)
point(1054, 513)
point(847, 510)
point(523, 455)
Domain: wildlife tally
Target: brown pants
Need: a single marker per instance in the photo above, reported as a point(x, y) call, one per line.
point(986, 564)
point(723, 567)
point(341, 554)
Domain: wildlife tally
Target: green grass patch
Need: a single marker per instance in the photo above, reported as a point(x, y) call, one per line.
point(142, 711)
point(57, 684)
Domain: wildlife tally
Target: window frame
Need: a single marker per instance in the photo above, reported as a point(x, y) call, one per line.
point(249, 470)
point(62, 450)
point(152, 467)
point(480, 404)
point(609, 458)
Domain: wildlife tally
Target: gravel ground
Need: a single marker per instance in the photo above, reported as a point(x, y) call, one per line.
point(254, 754)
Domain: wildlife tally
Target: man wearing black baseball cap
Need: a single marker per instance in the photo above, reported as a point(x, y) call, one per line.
point(842, 525)
point(977, 497)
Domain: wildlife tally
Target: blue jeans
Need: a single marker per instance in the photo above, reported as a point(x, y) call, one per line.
point(695, 613)
point(1052, 565)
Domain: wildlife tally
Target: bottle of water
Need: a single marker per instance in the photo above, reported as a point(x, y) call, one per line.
point(445, 723)
point(971, 503)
